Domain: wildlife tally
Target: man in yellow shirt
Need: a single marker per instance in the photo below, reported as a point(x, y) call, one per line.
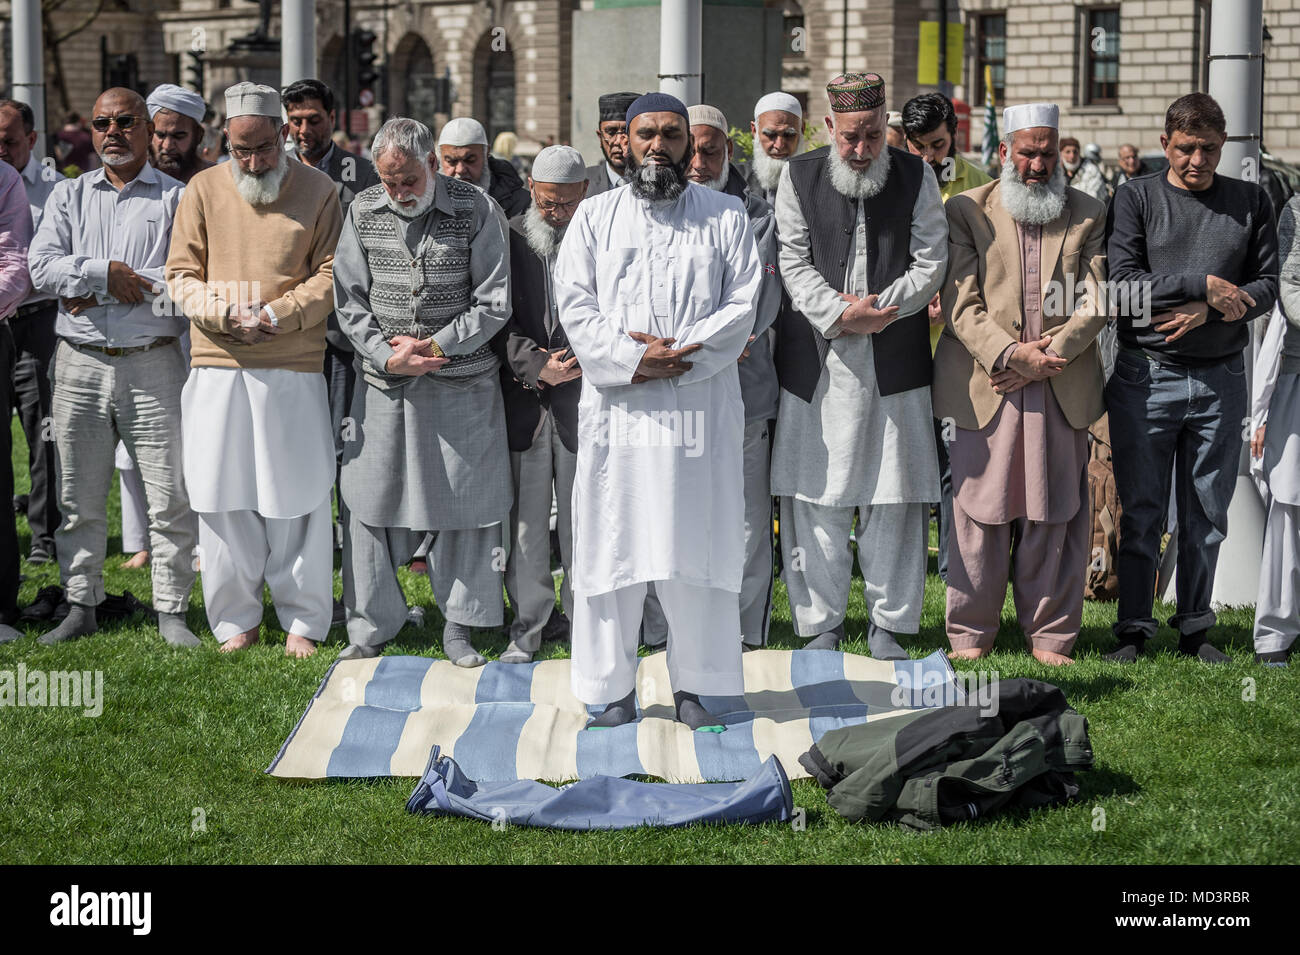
point(930, 124)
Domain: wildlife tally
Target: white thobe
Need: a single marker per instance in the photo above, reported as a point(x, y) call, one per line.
point(659, 462)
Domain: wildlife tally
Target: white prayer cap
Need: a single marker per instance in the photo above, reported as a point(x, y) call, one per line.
point(778, 100)
point(559, 164)
point(1030, 115)
point(463, 132)
point(709, 116)
point(1093, 152)
point(178, 100)
point(894, 118)
point(253, 99)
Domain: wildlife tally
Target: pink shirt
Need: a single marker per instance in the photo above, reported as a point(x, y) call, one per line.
point(15, 237)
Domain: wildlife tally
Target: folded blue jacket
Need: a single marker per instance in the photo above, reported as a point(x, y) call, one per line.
point(600, 802)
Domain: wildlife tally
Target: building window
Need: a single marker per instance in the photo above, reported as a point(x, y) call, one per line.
point(1100, 56)
point(795, 38)
point(991, 50)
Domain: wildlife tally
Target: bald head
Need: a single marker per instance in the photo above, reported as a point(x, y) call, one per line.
point(120, 131)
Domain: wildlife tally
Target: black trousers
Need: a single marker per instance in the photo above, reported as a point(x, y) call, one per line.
point(340, 383)
point(8, 525)
point(34, 342)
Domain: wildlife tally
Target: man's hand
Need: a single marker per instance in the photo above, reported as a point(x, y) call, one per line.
point(862, 317)
point(75, 306)
point(1031, 360)
point(1007, 380)
point(659, 360)
point(1177, 322)
point(1257, 443)
point(412, 356)
point(126, 285)
point(558, 370)
point(248, 324)
point(745, 354)
point(1227, 298)
point(935, 311)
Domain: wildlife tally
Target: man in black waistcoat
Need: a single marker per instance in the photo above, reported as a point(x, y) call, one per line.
point(863, 250)
point(541, 382)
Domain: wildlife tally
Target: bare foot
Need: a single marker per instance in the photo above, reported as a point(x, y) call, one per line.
point(300, 647)
point(240, 641)
point(1052, 659)
point(137, 560)
point(969, 653)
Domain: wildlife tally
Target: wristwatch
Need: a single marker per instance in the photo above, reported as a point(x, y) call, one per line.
point(436, 348)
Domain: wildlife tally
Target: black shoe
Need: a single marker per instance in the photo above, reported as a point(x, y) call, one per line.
point(557, 627)
point(20, 504)
point(40, 553)
point(340, 616)
point(46, 603)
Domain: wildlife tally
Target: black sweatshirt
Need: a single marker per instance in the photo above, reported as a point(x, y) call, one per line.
point(1169, 239)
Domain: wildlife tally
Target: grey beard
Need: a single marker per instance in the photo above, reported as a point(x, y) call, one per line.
point(1032, 205)
point(767, 170)
point(719, 184)
point(264, 189)
point(122, 159)
point(858, 185)
point(542, 237)
point(485, 180)
point(422, 203)
point(655, 182)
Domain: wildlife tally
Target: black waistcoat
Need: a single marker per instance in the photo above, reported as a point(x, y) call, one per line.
point(902, 351)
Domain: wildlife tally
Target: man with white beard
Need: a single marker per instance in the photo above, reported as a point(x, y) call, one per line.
point(463, 151)
point(250, 265)
point(1017, 381)
point(863, 250)
point(778, 132)
point(421, 283)
point(656, 284)
point(541, 382)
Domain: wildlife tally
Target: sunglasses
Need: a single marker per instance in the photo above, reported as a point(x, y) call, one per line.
point(124, 122)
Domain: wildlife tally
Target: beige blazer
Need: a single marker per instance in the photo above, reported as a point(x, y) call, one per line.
point(983, 314)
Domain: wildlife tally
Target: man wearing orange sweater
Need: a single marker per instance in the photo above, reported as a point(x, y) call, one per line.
point(251, 264)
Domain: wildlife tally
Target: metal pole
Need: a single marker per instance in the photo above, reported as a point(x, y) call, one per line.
point(1236, 49)
point(28, 57)
point(297, 41)
point(347, 68)
point(943, 49)
point(844, 38)
point(679, 49)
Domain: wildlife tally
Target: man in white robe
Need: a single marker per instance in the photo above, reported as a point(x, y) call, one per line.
point(863, 250)
point(655, 286)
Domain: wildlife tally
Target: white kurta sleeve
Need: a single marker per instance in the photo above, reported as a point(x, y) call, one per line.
point(914, 289)
point(809, 292)
point(606, 353)
point(725, 331)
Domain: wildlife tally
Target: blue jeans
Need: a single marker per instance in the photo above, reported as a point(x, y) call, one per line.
point(1188, 421)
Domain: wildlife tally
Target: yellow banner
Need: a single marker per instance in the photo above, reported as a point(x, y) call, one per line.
point(927, 61)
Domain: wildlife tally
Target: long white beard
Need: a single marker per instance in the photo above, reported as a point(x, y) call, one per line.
point(264, 189)
point(767, 169)
point(719, 184)
point(858, 185)
point(1032, 205)
point(422, 203)
point(543, 238)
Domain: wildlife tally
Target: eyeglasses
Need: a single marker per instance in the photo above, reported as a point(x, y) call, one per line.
point(620, 133)
point(124, 122)
point(246, 152)
point(546, 206)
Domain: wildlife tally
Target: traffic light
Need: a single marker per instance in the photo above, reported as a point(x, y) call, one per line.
point(365, 56)
point(194, 71)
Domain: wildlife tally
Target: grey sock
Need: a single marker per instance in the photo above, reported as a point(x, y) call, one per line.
point(883, 645)
point(455, 643)
point(8, 633)
point(356, 651)
point(513, 654)
point(172, 627)
point(616, 714)
point(827, 640)
point(79, 622)
point(693, 714)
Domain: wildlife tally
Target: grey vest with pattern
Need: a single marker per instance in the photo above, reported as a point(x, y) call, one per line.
point(422, 295)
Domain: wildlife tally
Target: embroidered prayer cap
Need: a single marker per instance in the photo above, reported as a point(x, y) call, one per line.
point(253, 99)
point(657, 103)
point(708, 116)
point(777, 101)
point(559, 164)
point(178, 100)
point(613, 106)
point(1029, 115)
point(463, 131)
point(856, 92)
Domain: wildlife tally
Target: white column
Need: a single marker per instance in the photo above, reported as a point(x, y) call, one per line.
point(297, 41)
point(28, 57)
point(679, 49)
point(1236, 81)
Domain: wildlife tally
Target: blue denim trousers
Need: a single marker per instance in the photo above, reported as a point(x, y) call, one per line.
point(1185, 421)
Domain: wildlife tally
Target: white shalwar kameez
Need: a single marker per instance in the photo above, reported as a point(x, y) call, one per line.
point(259, 465)
point(659, 462)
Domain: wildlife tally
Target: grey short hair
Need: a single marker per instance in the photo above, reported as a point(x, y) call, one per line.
point(408, 136)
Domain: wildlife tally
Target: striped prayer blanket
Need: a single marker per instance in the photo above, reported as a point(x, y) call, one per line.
point(382, 717)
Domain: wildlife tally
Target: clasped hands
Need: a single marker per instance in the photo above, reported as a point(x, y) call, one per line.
point(660, 360)
point(412, 356)
point(124, 283)
point(1030, 361)
point(1220, 294)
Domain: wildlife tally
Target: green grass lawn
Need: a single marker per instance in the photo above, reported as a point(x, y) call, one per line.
point(1188, 771)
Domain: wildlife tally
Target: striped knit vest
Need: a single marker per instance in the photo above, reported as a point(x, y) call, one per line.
point(420, 296)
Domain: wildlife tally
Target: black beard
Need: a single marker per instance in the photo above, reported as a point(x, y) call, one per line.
point(180, 170)
point(667, 182)
point(938, 167)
